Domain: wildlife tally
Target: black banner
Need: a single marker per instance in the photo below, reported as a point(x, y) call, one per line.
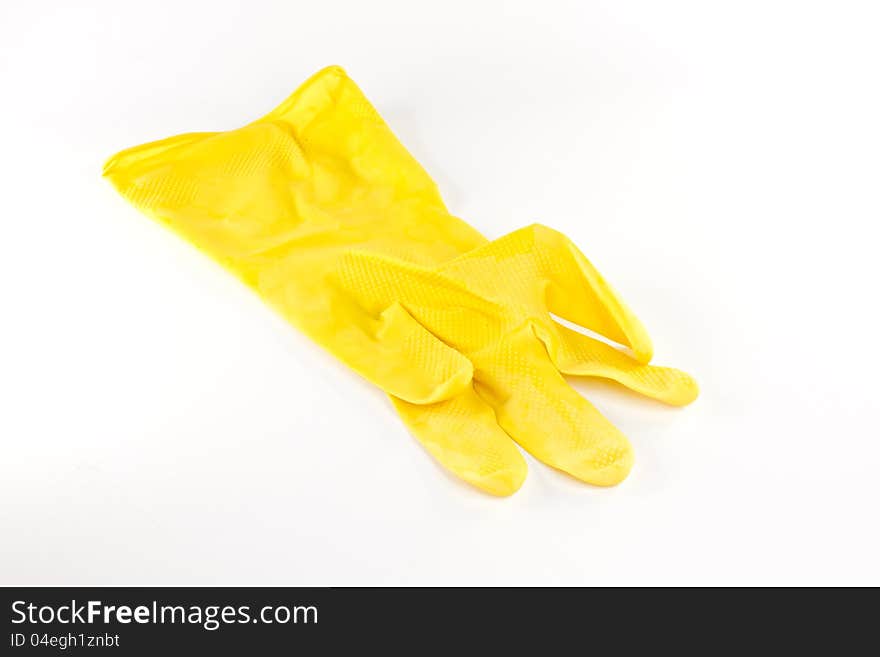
point(151, 621)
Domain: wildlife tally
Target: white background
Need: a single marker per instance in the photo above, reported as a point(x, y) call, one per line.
point(718, 161)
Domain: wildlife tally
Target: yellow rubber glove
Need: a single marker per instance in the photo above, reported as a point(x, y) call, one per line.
point(322, 211)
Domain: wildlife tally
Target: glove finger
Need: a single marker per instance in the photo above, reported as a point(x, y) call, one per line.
point(581, 355)
point(546, 416)
point(463, 435)
point(464, 320)
point(397, 354)
point(389, 348)
point(572, 288)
